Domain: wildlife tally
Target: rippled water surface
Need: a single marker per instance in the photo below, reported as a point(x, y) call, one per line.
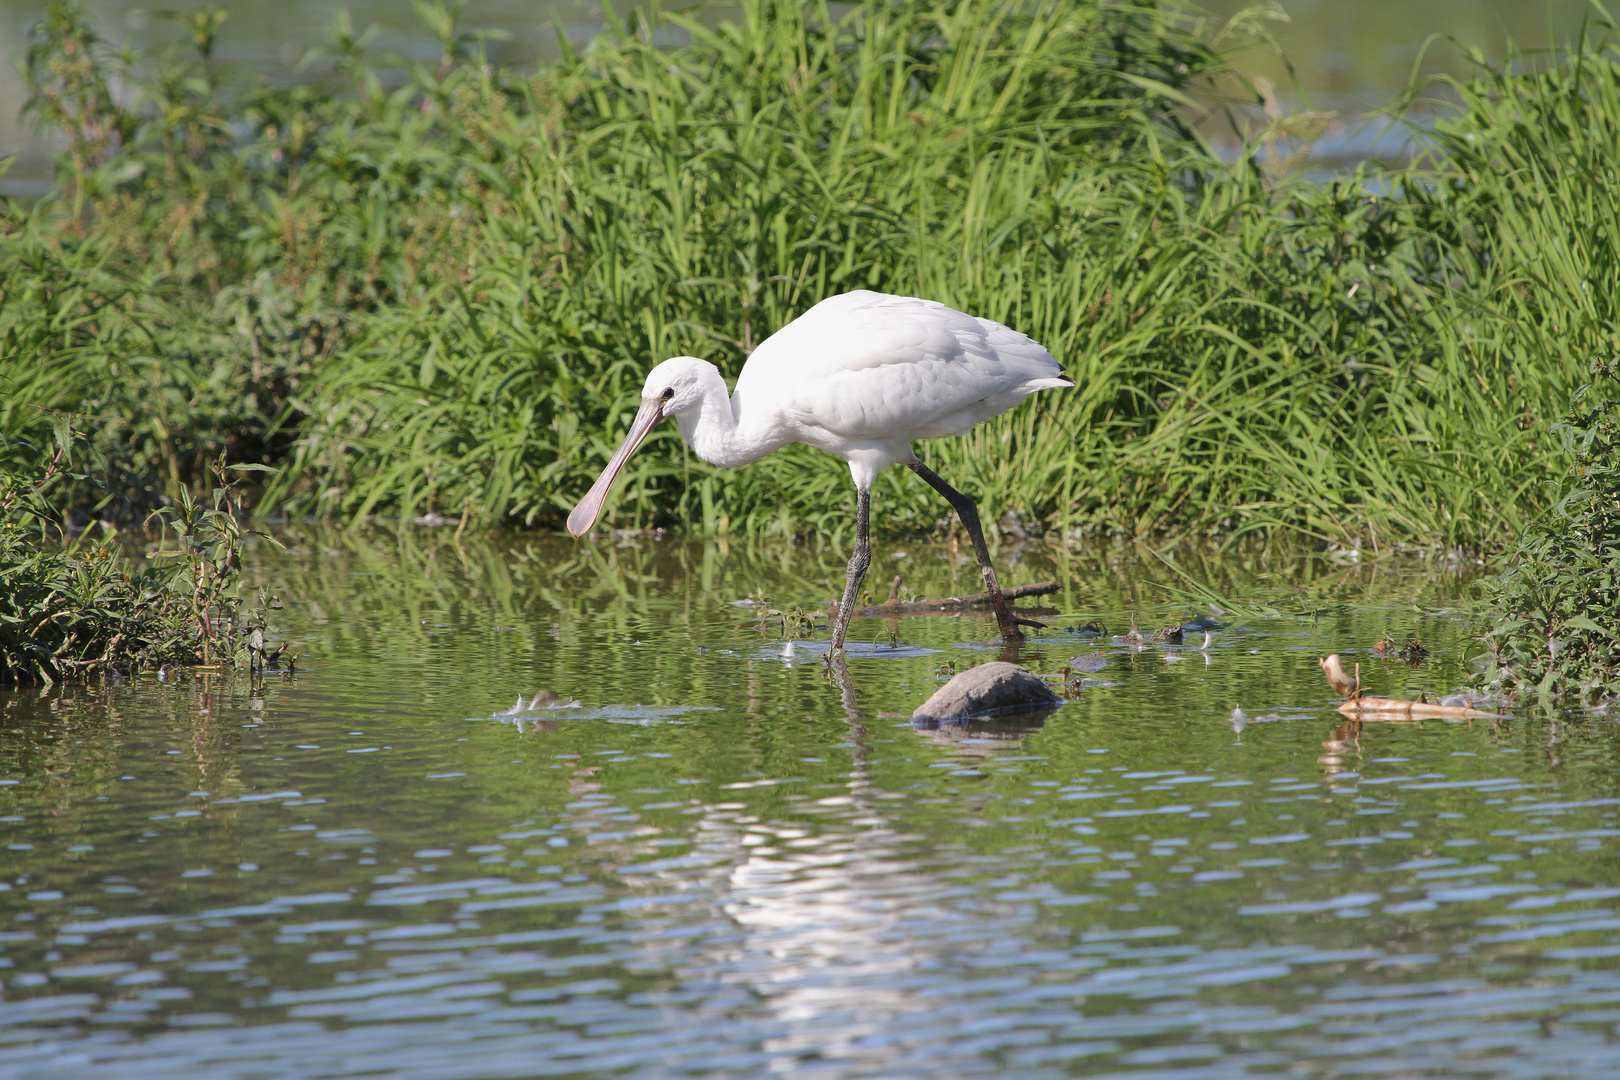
point(725, 863)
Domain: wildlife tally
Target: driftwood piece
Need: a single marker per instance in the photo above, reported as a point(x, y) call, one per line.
point(1342, 682)
point(894, 606)
point(1376, 708)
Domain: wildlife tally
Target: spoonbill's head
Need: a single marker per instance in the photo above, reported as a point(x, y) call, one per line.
point(672, 388)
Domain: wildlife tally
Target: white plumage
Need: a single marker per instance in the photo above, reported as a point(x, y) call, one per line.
point(868, 367)
point(859, 375)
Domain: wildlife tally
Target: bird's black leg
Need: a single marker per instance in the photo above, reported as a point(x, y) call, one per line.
point(859, 560)
point(969, 513)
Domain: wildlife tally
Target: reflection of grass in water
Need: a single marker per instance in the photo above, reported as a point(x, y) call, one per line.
point(444, 299)
point(501, 572)
point(652, 621)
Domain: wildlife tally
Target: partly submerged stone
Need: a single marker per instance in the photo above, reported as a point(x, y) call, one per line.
point(996, 687)
point(1086, 663)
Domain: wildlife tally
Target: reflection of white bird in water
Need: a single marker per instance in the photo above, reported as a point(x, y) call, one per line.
point(859, 375)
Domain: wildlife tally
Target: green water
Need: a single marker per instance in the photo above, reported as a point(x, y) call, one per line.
point(726, 863)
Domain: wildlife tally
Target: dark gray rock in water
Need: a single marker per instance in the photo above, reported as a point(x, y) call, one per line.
point(997, 687)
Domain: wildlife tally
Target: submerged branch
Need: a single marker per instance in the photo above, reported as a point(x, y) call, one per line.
point(1382, 708)
point(946, 604)
point(1361, 706)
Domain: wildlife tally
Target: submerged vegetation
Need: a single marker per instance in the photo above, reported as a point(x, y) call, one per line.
point(437, 291)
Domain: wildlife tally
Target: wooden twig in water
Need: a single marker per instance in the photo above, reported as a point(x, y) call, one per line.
point(1389, 708)
point(895, 606)
point(1377, 708)
point(1341, 681)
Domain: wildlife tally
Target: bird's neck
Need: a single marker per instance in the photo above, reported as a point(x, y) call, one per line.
point(716, 433)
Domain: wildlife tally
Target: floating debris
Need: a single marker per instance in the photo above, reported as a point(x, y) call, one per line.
point(1133, 636)
point(945, 604)
point(1343, 683)
point(553, 717)
point(793, 624)
point(1412, 652)
point(1072, 678)
point(1088, 662)
point(545, 699)
point(1417, 710)
point(1360, 705)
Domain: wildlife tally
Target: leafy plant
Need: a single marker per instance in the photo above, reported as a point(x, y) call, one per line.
point(72, 608)
point(208, 547)
point(253, 652)
point(1556, 603)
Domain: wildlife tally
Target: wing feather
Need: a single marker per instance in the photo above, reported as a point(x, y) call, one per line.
point(868, 366)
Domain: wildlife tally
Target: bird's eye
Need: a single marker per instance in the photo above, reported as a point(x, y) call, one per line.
point(669, 392)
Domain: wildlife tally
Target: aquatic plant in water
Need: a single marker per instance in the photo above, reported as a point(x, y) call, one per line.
point(71, 607)
point(1555, 628)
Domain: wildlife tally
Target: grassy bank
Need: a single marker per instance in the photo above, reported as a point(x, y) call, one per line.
point(441, 295)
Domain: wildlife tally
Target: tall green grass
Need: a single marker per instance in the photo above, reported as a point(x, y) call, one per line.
point(644, 202)
point(446, 295)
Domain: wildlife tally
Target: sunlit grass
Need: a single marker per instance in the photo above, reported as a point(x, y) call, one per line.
point(445, 297)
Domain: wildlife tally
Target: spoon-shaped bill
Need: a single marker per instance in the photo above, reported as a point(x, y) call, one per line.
point(585, 514)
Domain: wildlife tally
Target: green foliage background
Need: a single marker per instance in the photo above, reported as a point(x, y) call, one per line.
point(441, 296)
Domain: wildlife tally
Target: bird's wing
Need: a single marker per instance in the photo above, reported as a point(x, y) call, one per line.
point(866, 365)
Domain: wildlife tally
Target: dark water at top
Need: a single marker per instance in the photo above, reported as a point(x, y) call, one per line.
point(723, 864)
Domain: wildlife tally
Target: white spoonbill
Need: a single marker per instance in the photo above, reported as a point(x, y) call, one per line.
point(859, 375)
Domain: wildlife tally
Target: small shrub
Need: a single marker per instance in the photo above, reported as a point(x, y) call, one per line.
point(70, 609)
point(1555, 627)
